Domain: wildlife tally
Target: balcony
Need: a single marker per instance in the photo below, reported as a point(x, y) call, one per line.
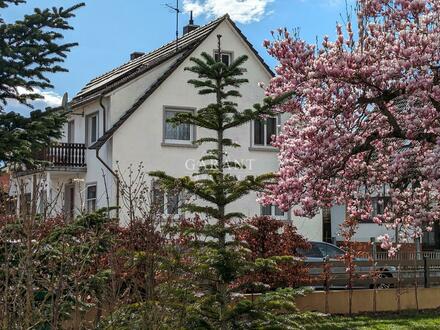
point(71, 155)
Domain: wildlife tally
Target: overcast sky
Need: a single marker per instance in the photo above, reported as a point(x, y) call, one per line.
point(109, 30)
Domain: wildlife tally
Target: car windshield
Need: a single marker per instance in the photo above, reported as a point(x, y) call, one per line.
point(313, 252)
point(329, 250)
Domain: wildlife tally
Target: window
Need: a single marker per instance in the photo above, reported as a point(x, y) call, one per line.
point(379, 204)
point(92, 128)
point(43, 202)
point(164, 203)
point(158, 198)
point(330, 250)
point(273, 211)
point(264, 129)
point(326, 225)
point(226, 57)
point(430, 239)
point(91, 198)
point(172, 203)
point(71, 131)
point(177, 134)
point(313, 252)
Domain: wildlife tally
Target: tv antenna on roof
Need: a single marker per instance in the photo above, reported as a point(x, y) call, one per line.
point(178, 11)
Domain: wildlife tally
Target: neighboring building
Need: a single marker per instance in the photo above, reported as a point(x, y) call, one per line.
point(118, 119)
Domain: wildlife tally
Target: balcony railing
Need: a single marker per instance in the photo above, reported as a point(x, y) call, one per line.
point(65, 155)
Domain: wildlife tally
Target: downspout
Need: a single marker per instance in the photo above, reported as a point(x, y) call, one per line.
point(104, 163)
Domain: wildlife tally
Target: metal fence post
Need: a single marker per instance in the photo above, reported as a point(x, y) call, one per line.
point(426, 272)
point(418, 253)
point(373, 247)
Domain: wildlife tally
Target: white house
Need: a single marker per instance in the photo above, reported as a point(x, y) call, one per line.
point(118, 119)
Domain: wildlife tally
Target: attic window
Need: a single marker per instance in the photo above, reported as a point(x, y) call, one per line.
point(226, 57)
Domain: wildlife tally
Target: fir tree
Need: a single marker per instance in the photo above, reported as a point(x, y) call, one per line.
point(221, 259)
point(30, 49)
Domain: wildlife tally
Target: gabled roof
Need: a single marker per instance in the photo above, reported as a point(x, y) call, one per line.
point(125, 73)
point(134, 68)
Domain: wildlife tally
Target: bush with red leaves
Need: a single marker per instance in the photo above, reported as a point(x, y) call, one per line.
point(273, 244)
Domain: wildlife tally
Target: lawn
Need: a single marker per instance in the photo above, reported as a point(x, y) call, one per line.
point(423, 320)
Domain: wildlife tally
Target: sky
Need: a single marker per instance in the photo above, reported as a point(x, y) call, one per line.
point(109, 30)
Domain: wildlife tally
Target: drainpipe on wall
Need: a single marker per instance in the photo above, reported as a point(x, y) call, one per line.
point(104, 163)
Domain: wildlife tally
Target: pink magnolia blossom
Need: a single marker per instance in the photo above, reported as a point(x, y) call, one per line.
point(365, 116)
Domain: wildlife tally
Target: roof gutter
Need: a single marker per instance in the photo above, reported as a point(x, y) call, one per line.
point(116, 177)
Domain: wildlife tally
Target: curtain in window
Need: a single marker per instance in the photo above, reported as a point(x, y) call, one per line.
point(93, 129)
point(158, 198)
point(91, 198)
point(172, 203)
point(259, 132)
point(266, 210)
point(180, 132)
point(271, 127)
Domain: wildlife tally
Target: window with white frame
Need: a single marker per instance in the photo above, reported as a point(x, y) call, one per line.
point(379, 204)
point(177, 134)
point(71, 131)
point(91, 193)
point(92, 128)
point(164, 202)
point(226, 57)
point(264, 129)
point(273, 211)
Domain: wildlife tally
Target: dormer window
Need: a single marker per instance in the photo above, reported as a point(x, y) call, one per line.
point(226, 57)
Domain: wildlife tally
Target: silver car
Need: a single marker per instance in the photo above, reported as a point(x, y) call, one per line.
point(321, 251)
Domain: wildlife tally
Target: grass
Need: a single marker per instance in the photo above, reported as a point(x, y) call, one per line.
point(422, 320)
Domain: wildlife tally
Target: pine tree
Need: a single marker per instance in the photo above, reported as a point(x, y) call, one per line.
point(30, 49)
point(221, 259)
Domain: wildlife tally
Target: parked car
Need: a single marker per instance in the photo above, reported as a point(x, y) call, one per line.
point(320, 251)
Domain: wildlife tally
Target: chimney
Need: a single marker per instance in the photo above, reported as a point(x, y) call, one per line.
point(135, 55)
point(191, 26)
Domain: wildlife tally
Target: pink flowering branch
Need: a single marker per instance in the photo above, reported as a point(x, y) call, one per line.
point(365, 115)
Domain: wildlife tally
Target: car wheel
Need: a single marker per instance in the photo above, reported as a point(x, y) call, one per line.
point(383, 285)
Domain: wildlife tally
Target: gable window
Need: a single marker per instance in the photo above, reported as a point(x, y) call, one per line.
point(92, 128)
point(273, 211)
point(226, 57)
point(264, 129)
point(91, 198)
point(177, 134)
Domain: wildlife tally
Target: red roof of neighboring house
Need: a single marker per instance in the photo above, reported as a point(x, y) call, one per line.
point(4, 181)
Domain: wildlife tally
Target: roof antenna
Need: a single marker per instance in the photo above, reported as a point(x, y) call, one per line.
point(191, 21)
point(177, 10)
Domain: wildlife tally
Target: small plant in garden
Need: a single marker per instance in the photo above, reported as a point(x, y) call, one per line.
point(273, 244)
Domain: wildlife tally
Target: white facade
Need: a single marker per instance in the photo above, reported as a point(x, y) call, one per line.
point(141, 137)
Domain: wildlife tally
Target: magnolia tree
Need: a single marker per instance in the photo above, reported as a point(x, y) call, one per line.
point(365, 117)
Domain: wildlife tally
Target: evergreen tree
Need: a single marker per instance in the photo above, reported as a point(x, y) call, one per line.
point(219, 257)
point(30, 49)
